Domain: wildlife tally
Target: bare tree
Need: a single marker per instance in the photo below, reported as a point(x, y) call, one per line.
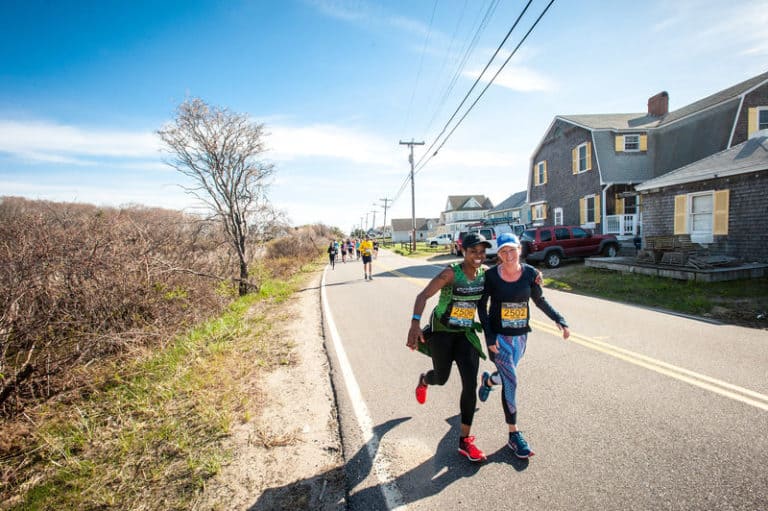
point(220, 151)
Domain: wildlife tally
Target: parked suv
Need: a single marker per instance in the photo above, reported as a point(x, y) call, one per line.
point(554, 243)
point(456, 246)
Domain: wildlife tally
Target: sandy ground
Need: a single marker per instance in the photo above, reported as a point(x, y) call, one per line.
point(305, 467)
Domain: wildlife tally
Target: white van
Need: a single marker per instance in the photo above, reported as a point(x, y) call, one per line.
point(440, 239)
point(492, 231)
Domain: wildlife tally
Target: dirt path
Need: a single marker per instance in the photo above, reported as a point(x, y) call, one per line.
point(290, 456)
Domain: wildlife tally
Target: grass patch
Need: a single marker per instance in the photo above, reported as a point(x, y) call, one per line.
point(147, 433)
point(422, 250)
point(730, 300)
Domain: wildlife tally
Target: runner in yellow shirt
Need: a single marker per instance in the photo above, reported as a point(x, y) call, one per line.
point(366, 250)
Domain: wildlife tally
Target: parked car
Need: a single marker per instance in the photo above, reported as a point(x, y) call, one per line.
point(552, 244)
point(456, 246)
point(440, 239)
point(491, 232)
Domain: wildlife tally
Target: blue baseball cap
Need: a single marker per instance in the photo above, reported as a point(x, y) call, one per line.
point(507, 239)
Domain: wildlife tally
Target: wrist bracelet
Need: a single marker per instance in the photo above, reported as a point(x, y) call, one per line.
point(417, 317)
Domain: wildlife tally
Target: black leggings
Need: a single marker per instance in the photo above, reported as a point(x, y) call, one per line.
point(448, 347)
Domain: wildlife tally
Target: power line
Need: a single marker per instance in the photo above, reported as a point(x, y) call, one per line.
point(421, 165)
point(466, 96)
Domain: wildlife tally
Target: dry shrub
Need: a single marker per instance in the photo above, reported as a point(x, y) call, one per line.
point(297, 247)
point(81, 282)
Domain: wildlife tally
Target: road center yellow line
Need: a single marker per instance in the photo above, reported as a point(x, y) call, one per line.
point(702, 381)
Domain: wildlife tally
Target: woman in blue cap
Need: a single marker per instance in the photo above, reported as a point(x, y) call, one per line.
point(509, 286)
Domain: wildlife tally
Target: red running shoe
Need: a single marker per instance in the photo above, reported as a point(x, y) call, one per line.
point(468, 449)
point(421, 390)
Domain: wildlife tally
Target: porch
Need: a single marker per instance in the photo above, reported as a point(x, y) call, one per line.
point(626, 225)
point(715, 274)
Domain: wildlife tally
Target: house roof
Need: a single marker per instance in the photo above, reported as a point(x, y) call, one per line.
point(513, 201)
point(749, 156)
point(404, 224)
point(638, 121)
point(456, 202)
point(716, 98)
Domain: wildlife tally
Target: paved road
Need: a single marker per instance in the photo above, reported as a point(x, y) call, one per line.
point(639, 410)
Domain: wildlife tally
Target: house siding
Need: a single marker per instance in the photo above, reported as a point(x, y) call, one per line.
point(758, 97)
point(562, 184)
point(691, 139)
point(747, 236)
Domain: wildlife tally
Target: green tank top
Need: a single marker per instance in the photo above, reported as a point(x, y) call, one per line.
point(455, 311)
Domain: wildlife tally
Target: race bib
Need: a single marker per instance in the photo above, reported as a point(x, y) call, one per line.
point(462, 314)
point(514, 315)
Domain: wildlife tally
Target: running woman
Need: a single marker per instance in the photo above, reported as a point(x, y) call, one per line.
point(454, 339)
point(366, 250)
point(509, 286)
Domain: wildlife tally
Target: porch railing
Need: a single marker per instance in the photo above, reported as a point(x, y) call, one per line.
point(622, 225)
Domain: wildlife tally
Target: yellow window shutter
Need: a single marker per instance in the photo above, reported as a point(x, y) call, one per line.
point(751, 121)
point(619, 205)
point(643, 142)
point(720, 215)
point(619, 143)
point(681, 214)
point(597, 208)
point(589, 155)
point(582, 211)
point(575, 160)
point(535, 175)
point(543, 211)
point(545, 172)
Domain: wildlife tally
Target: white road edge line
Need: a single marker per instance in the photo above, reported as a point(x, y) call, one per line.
point(389, 489)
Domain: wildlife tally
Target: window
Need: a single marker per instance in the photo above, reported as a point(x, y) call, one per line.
point(562, 233)
point(701, 217)
point(545, 235)
point(559, 216)
point(581, 158)
point(590, 210)
point(579, 233)
point(631, 142)
point(541, 173)
point(762, 118)
point(538, 212)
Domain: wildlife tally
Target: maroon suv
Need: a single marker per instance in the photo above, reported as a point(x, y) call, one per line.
point(552, 244)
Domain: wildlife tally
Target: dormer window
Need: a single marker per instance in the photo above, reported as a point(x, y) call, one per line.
point(631, 142)
point(762, 118)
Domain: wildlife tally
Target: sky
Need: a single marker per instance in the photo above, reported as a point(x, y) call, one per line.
point(338, 84)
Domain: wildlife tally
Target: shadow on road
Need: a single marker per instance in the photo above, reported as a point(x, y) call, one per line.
point(425, 480)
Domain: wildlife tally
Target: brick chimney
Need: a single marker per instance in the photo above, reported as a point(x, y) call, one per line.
point(658, 105)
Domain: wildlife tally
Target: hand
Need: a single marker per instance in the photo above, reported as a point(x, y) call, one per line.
point(539, 278)
point(414, 336)
point(566, 332)
point(494, 348)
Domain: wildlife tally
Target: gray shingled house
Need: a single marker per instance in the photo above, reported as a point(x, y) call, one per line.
point(513, 209)
point(585, 168)
point(718, 201)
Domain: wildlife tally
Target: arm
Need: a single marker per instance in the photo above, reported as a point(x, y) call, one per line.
point(537, 295)
point(444, 278)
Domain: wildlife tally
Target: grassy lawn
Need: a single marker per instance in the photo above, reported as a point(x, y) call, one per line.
point(739, 301)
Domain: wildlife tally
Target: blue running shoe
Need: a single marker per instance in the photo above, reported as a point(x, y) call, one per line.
point(484, 389)
point(519, 446)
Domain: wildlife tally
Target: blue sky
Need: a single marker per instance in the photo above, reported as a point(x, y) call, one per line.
point(338, 83)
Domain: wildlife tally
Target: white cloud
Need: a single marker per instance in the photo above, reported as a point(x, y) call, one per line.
point(51, 142)
point(291, 142)
point(517, 78)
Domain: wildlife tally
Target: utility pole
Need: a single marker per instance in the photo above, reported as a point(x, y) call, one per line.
point(386, 201)
point(413, 194)
point(374, 218)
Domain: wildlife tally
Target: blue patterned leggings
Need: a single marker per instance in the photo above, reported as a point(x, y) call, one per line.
point(511, 350)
